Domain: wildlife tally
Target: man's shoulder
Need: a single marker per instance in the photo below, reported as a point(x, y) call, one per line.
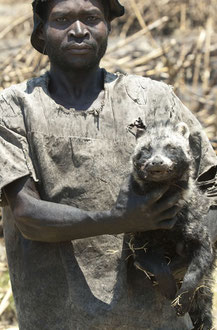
point(22, 89)
point(17, 97)
point(136, 82)
point(140, 90)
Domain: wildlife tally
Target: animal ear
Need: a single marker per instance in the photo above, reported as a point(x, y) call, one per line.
point(137, 128)
point(137, 132)
point(140, 132)
point(183, 129)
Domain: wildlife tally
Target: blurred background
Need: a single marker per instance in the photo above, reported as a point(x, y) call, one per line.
point(174, 41)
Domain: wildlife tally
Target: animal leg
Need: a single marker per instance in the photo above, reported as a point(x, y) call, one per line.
point(201, 309)
point(200, 265)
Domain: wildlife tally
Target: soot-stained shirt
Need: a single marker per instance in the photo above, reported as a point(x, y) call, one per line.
point(81, 158)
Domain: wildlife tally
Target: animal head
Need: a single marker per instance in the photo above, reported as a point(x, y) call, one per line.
point(162, 153)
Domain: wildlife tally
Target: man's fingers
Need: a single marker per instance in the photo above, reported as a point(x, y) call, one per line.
point(155, 195)
point(148, 199)
point(167, 224)
point(165, 203)
point(170, 213)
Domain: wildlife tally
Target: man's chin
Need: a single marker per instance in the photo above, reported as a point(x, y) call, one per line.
point(76, 64)
point(82, 65)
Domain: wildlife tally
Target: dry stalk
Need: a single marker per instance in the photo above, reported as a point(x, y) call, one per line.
point(5, 301)
point(14, 25)
point(142, 22)
point(137, 35)
point(151, 56)
point(183, 11)
point(198, 58)
point(207, 54)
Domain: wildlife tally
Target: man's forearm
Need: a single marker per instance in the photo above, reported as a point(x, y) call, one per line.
point(50, 222)
point(45, 221)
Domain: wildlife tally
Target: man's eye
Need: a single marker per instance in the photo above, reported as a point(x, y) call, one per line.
point(61, 19)
point(92, 18)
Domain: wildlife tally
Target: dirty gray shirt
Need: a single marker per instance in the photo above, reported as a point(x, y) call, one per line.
point(80, 158)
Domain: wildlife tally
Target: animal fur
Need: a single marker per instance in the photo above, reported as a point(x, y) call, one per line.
point(162, 157)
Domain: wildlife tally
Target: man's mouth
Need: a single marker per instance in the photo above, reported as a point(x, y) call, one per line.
point(78, 46)
point(78, 49)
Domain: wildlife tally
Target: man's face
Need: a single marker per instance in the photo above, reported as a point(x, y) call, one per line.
point(75, 33)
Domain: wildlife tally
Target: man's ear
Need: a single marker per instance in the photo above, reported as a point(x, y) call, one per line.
point(40, 32)
point(109, 26)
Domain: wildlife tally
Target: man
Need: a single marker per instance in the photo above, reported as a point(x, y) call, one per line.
point(65, 151)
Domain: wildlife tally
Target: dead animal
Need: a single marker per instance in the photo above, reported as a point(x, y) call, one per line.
point(162, 157)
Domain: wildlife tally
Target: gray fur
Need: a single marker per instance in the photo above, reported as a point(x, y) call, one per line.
point(162, 157)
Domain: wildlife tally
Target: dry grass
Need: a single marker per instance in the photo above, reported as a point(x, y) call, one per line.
point(170, 40)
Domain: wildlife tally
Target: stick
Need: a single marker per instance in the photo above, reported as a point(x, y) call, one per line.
point(5, 301)
point(138, 34)
point(17, 22)
point(207, 54)
point(153, 55)
point(142, 21)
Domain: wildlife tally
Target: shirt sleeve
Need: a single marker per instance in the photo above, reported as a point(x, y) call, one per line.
point(15, 159)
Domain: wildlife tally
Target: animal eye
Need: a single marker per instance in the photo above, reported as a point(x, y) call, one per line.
point(146, 149)
point(173, 148)
point(138, 156)
point(170, 147)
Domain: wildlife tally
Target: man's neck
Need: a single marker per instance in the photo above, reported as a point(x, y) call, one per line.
point(78, 89)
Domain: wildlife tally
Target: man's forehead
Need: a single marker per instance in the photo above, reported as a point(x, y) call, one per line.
point(76, 6)
point(76, 3)
point(68, 2)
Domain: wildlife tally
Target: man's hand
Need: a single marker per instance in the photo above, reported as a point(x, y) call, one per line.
point(155, 210)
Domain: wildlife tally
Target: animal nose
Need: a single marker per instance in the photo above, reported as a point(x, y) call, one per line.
point(157, 162)
point(78, 30)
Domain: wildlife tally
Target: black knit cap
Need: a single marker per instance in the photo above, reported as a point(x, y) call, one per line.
point(115, 10)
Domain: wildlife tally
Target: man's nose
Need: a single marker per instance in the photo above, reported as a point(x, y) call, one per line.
point(78, 30)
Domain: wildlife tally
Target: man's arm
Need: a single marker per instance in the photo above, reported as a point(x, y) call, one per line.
point(52, 222)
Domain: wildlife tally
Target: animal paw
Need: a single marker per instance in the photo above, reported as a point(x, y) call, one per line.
point(182, 302)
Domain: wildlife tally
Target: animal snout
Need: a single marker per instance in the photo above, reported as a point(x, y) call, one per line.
point(159, 164)
point(156, 164)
